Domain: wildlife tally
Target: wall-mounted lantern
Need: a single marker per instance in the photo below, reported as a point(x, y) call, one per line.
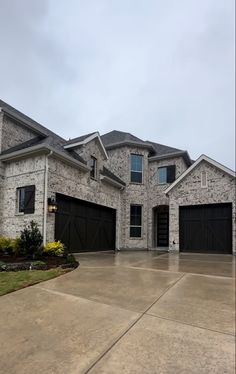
point(52, 205)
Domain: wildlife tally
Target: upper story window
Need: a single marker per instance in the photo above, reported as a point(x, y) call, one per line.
point(136, 174)
point(93, 166)
point(204, 179)
point(166, 174)
point(135, 221)
point(25, 199)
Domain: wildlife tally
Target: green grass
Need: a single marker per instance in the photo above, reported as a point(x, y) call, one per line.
point(12, 281)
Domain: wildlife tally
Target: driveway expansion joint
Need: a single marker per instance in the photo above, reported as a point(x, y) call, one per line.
point(131, 326)
point(189, 324)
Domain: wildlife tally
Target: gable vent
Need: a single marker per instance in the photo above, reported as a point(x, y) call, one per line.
point(204, 179)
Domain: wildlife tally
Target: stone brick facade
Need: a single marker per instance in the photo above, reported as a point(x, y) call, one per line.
point(14, 133)
point(221, 189)
point(156, 191)
point(76, 183)
point(72, 181)
point(149, 194)
point(18, 174)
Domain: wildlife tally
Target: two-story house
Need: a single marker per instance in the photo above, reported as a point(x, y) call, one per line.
point(114, 191)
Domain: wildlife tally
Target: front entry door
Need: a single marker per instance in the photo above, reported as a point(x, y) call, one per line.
point(162, 229)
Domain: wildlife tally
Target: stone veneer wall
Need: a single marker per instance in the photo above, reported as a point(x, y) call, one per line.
point(156, 194)
point(92, 149)
point(11, 134)
point(19, 174)
point(221, 189)
point(119, 162)
point(14, 133)
point(2, 170)
point(76, 183)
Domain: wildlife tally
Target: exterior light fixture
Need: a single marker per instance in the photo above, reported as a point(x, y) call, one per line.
point(52, 205)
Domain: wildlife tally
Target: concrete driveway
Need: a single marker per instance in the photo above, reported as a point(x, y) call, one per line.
point(129, 312)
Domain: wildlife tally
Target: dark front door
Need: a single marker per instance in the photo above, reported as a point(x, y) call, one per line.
point(163, 229)
point(206, 228)
point(84, 226)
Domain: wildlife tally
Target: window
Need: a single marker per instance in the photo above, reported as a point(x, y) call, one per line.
point(93, 166)
point(25, 199)
point(166, 174)
point(204, 179)
point(135, 221)
point(136, 168)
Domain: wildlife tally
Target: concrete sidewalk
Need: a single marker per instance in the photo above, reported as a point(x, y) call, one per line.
point(124, 313)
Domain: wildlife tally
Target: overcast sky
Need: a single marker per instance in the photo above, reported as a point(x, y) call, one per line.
point(160, 69)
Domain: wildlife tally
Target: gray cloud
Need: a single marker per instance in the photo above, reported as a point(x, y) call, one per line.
point(163, 70)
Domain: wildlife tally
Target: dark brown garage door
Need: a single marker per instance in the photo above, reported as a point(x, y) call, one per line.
point(83, 226)
point(206, 228)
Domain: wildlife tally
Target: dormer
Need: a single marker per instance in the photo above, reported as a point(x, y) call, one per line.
point(92, 150)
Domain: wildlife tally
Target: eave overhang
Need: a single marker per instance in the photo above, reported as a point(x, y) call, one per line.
point(40, 149)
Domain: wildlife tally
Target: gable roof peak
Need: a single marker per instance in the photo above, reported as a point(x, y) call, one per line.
point(84, 139)
point(207, 159)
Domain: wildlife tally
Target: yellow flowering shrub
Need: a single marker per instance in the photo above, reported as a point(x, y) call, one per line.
point(54, 249)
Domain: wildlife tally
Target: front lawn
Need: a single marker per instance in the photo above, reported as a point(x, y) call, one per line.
point(12, 281)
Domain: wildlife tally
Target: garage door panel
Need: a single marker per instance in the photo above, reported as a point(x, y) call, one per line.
point(78, 232)
point(206, 228)
point(84, 226)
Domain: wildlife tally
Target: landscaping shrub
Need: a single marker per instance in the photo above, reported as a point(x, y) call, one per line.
point(54, 249)
point(7, 245)
point(16, 246)
point(30, 241)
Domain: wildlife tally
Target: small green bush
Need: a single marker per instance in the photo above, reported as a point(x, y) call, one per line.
point(7, 245)
point(54, 249)
point(16, 247)
point(30, 241)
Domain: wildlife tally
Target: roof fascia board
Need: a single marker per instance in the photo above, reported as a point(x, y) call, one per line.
point(168, 155)
point(183, 154)
point(193, 166)
point(112, 182)
point(129, 143)
point(87, 140)
point(41, 149)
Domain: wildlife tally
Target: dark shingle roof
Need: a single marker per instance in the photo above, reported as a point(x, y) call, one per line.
point(47, 141)
point(109, 174)
point(46, 136)
point(27, 121)
point(113, 139)
point(29, 143)
point(161, 149)
point(79, 138)
point(116, 138)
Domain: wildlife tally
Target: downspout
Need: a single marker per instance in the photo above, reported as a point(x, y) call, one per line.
point(45, 198)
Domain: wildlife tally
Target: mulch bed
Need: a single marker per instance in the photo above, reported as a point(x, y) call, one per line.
point(50, 261)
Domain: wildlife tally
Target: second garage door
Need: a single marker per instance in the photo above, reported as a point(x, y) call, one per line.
point(206, 228)
point(84, 226)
